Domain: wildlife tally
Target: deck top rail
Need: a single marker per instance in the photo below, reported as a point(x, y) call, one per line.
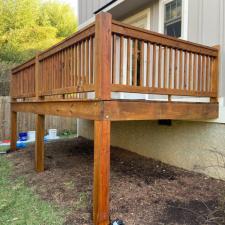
point(109, 56)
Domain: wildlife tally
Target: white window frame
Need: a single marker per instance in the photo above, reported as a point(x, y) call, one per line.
point(184, 17)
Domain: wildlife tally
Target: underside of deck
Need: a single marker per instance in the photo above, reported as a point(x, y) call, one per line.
point(119, 110)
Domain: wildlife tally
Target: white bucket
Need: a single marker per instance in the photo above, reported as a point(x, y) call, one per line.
point(52, 133)
point(31, 135)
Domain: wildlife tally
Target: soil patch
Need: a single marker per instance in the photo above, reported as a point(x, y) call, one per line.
point(143, 191)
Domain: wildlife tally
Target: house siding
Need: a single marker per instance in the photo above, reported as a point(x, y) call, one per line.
point(87, 8)
point(206, 25)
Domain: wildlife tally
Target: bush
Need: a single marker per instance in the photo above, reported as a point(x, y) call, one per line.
point(5, 68)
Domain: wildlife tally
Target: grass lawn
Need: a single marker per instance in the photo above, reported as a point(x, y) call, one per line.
point(19, 205)
point(4, 148)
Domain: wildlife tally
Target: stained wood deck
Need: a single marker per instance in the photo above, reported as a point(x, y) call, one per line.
point(110, 57)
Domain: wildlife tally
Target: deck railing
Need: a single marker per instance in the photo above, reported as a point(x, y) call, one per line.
point(108, 56)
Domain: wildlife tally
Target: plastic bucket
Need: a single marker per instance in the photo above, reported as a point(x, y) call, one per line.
point(23, 136)
point(52, 133)
point(31, 135)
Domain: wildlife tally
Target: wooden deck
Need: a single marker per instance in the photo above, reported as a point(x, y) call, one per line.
point(78, 77)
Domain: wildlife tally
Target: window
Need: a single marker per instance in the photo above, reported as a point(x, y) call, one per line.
point(173, 18)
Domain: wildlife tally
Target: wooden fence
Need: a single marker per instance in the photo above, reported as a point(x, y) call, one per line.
point(26, 121)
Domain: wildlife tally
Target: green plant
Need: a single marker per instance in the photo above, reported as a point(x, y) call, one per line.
point(29, 26)
point(19, 205)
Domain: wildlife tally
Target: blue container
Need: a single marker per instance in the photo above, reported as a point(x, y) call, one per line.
point(21, 145)
point(23, 136)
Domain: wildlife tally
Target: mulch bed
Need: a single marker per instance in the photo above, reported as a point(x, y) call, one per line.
point(143, 191)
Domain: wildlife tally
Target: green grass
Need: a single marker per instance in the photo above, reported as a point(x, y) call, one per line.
point(19, 205)
point(67, 134)
point(4, 148)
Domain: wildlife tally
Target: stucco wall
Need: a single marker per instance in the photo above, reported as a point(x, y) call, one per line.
point(196, 146)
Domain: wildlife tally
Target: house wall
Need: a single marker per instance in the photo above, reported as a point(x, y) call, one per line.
point(197, 146)
point(87, 8)
point(206, 25)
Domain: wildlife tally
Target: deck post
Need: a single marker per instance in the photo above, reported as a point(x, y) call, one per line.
point(101, 172)
point(103, 46)
point(39, 145)
point(13, 130)
point(215, 75)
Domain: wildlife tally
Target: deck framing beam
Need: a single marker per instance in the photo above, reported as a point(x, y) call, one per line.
point(119, 110)
point(91, 109)
point(152, 110)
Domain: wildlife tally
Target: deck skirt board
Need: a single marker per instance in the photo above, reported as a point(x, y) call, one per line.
point(118, 110)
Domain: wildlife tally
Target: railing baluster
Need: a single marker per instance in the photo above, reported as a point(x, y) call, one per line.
point(83, 63)
point(190, 77)
point(207, 74)
point(114, 59)
point(185, 70)
point(195, 73)
point(87, 62)
point(121, 59)
point(160, 67)
point(78, 63)
point(91, 62)
point(181, 70)
point(154, 65)
point(175, 68)
point(203, 73)
point(135, 62)
point(128, 61)
point(199, 73)
point(170, 68)
point(142, 64)
point(165, 68)
point(148, 64)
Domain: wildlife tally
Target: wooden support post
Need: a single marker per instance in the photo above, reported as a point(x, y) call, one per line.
point(39, 146)
point(215, 76)
point(37, 79)
point(103, 48)
point(13, 130)
point(101, 172)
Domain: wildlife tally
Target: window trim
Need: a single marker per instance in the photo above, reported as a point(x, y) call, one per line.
point(184, 17)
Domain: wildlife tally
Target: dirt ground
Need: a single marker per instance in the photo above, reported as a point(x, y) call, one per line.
point(143, 191)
